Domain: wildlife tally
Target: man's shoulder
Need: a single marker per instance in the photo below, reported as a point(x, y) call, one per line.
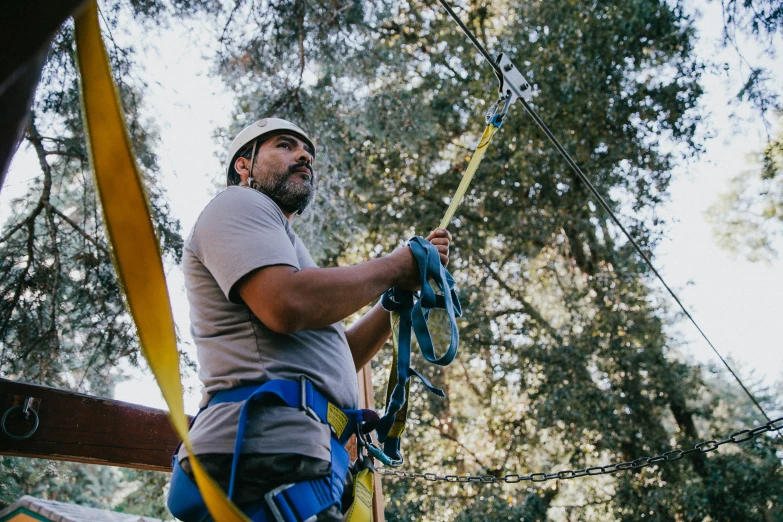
point(234, 196)
point(239, 203)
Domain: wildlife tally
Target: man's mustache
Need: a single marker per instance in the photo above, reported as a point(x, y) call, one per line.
point(299, 165)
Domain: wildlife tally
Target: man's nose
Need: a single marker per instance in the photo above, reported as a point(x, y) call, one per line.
point(305, 156)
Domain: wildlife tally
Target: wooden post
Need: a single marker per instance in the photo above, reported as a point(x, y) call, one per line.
point(366, 400)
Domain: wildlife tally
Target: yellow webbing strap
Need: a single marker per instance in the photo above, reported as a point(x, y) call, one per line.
point(478, 155)
point(401, 417)
point(135, 248)
point(361, 509)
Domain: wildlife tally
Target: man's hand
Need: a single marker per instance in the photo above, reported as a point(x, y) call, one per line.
point(410, 280)
point(441, 238)
point(367, 335)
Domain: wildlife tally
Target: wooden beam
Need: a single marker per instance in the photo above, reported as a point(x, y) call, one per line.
point(81, 428)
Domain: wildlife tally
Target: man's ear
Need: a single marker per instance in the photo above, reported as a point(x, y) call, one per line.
point(242, 166)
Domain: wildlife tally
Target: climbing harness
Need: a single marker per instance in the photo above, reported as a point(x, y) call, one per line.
point(297, 502)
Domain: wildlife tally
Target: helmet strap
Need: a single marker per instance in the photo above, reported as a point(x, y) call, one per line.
point(252, 163)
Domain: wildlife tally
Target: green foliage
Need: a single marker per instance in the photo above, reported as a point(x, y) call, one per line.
point(748, 219)
point(125, 490)
point(564, 362)
point(63, 322)
point(88, 485)
point(149, 491)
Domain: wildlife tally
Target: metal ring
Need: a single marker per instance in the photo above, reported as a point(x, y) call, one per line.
point(707, 446)
point(741, 436)
point(27, 435)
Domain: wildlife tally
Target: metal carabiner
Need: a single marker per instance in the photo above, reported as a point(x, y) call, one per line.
point(373, 450)
point(494, 116)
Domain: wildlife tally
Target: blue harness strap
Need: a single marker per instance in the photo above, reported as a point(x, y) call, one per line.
point(414, 309)
point(291, 502)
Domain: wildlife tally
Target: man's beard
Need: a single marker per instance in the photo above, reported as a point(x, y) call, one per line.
point(291, 195)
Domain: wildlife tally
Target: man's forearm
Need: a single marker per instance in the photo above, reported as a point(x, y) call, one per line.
point(287, 300)
point(367, 336)
point(327, 295)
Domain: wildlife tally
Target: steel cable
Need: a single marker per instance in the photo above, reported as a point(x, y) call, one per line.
point(581, 175)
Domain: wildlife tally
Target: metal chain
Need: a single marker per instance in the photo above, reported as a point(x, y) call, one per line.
point(702, 447)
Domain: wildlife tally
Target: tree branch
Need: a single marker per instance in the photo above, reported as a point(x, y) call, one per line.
point(526, 308)
point(457, 442)
point(81, 232)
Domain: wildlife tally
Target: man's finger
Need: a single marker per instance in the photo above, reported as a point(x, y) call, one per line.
point(439, 232)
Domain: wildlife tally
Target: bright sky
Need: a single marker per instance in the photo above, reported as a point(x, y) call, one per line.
point(738, 304)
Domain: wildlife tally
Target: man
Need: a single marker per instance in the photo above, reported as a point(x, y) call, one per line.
point(261, 309)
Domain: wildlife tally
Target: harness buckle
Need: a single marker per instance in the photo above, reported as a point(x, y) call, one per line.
point(271, 500)
point(303, 399)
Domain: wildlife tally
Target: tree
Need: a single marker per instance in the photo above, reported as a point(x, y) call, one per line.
point(749, 217)
point(63, 321)
point(564, 361)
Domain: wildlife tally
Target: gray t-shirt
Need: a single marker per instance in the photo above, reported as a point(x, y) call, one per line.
point(239, 231)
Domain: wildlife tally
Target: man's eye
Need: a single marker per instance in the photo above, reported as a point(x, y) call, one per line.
point(286, 145)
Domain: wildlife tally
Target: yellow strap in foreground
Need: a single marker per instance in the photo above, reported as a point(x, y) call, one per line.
point(132, 237)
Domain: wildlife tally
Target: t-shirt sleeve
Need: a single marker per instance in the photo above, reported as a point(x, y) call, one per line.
point(241, 230)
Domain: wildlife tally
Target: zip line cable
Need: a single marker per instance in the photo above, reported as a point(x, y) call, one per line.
point(601, 200)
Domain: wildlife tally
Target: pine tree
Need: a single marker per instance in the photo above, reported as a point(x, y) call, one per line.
point(63, 322)
point(564, 359)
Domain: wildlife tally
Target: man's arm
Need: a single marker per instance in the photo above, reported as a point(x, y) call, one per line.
point(368, 334)
point(287, 300)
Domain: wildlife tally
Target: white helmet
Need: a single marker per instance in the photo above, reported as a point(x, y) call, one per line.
point(262, 129)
